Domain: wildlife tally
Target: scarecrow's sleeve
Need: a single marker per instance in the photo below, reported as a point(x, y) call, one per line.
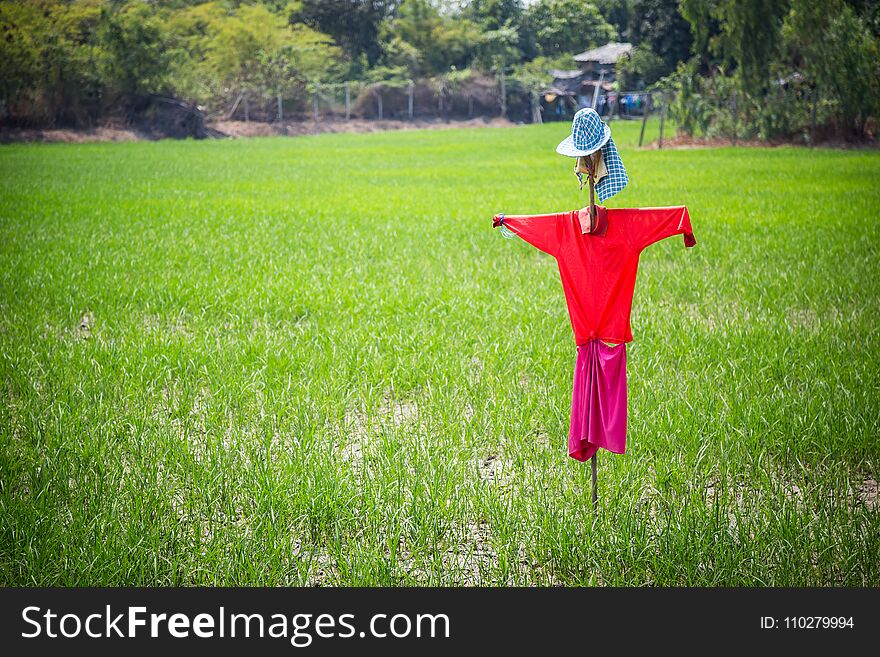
point(649, 225)
point(540, 230)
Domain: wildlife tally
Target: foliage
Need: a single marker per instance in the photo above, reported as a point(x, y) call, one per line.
point(761, 66)
point(134, 60)
point(750, 38)
point(757, 64)
point(690, 107)
point(566, 26)
point(353, 24)
point(618, 13)
point(428, 42)
point(494, 14)
point(658, 25)
point(497, 49)
point(49, 61)
point(641, 69)
point(256, 49)
point(840, 56)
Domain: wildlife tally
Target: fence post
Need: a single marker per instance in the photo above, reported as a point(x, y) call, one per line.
point(813, 117)
point(410, 99)
point(235, 106)
point(503, 95)
point(280, 109)
point(379, 101)
point(347, 102)
point(315, 104)
point(662, 119)
point(645, 111)
point(735, 117)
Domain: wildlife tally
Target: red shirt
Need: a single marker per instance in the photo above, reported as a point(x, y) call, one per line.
point(599, 273)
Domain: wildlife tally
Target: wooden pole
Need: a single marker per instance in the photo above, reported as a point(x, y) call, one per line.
point(613, 106)
point(410, 100)
point(247, 109)
point(503, 94)
point(315, 105)
point(645, 110)
point(235, 105)
point(662, 119)
point(379, 101)
point(591, 175)
point(280, 109)
point(735, 118)
point(594, 466)
point(347, 102)
point(813, 117)
point(596, 88)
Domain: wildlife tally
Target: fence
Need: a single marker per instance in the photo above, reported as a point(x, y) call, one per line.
point(433, 98)
point(440, 98)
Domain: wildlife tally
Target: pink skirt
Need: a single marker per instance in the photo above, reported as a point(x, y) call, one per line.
point(598, 400)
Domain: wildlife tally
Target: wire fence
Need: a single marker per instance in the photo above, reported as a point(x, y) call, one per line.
point(478, 96)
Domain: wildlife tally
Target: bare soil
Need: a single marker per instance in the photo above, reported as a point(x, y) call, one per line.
point(681, 142)
point(247, 129)
point(67, 135)
point(255, 129)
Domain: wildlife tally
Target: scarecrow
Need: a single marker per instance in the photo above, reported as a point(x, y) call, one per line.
point(597, 250)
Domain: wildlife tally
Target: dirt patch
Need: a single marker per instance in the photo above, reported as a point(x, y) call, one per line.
point(802, 318)
point(59, 135)
point(495, 471)
point(84, 327)
point(683, 142)
point(360, 428)
point(867, 493)
point(295, 128)
point(248, 129)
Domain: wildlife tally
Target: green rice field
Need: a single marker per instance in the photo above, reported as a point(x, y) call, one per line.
point(311, 361)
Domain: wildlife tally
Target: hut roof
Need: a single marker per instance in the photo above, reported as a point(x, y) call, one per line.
point(610, 53)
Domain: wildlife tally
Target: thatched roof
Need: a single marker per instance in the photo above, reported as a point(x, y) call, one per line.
point(610, 53)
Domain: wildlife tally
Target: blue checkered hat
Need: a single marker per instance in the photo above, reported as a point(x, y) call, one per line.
point(589, 133)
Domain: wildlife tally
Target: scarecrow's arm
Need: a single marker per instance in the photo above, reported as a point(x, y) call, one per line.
point(540, 230)
point(649, 225)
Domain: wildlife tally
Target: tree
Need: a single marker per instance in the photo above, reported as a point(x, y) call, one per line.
point(566, 26)
point(498, 49)
point(134, 58)
point(641, 69)
point(840, 55)
point(257, 50)
point(353, 24)
point(493, 15)
point(618, 14)
point(435, 41)
point(750, 38)
point(659, 25)
point(700, 14)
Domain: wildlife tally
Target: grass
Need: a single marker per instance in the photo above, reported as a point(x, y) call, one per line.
point(312, 361)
